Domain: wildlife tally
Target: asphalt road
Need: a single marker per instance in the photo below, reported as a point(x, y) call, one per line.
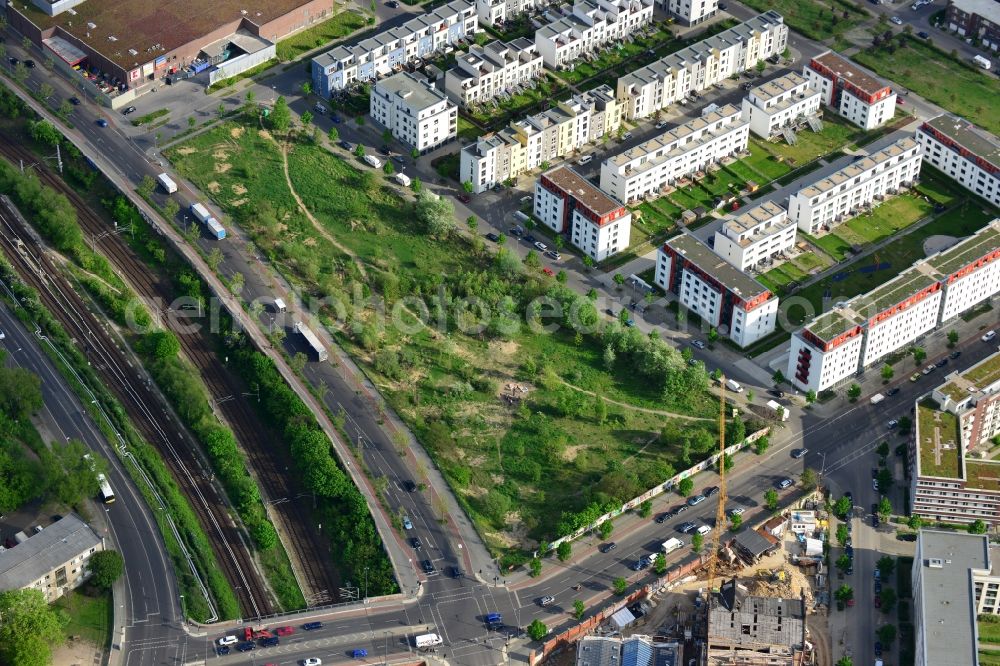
point(150, 604)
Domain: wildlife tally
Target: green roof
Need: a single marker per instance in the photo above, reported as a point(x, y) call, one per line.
point(831, 324)
point(967, 251)
point(895, 291)
point(984, 373)
point(941, 427)
point(983, 474)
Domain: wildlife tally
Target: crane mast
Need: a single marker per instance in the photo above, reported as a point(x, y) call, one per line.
point(720, 511)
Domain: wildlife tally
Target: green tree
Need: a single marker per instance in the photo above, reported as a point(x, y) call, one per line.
point(359, 151)
point(915, 522)
point(778, 378)
point(20, 72)
point(884, 508)
point(845, 661)
point(221, 110)
point(854, 392)
point(605, 529)
point(160, 345)
point(437, 214)
point(600, 409)
point(810, 396)
point(280, 118)
point(537, 630)
point(697, 542)
point(415, 154)
point(887, 634)
point(214, 258)
point(761, 445)
point(621, 585)
point(842, 507)
point(660, 564)
point(578, 609)
point(386, 136)
point(588, 262)
point(905, 424)
point(387, 168)
point(713, 335)
point(750, 395)
point(887, 373)
point(842, 534)
point(888, 597)
point(619, 279)
point(884, 480)
point(771, 499)
point(562, 277)
point(646, 508)
point(886, 565)
point(468, 187)
point(65, 108)
point(416, 185)
point(919, 354)
point(20, 393)
point(307, 88)
point(250, 97)
point(536, 567)
point(472, 222)
point(192, 121)
point(844, 593)
point(531, 260)
point(809, 479)
point(726, 460)
point(761, 66)
point(105, 568)
point(307, 118)
point(882, 449)
point(843, 562)
point(685, 487)
point(977, 527)
point(146, 186)
point(564, 551)
point(171, 208)
point(952, 338)
point(735, 522)
point(333, 134)
point(30, 629)
point(73, 473)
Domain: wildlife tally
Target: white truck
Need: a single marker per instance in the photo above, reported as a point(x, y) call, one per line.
point(403, 179)
point(734, 386)
point(877, 398)
point(373, 161)
point(200, 212)
point(167, 183)
point(425, 641)
point(671, 544)
point(982, 62)
point(779, 411)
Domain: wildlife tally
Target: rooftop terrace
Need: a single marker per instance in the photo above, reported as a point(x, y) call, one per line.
point(938, 441)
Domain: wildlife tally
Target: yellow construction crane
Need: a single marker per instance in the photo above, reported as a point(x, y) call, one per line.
point(720, 511)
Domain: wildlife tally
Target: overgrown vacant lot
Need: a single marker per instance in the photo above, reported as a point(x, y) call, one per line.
point(510, 414)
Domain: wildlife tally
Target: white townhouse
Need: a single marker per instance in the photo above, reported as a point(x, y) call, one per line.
point(567, 203)
point(853, 336)
point(487, 71)
point(851, 91)
point(967, 153)
point(415, 112)
point(780, 103)
point(588, 26)
point(498, 12)
point(646, 169)
point(527, 143)
point(690, 12)
point(392, 49)
point(841, 195)
point(701, 65)
point(755, 237)
point(725, 297)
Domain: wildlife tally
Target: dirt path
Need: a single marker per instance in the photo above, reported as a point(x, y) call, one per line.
point(659, 412)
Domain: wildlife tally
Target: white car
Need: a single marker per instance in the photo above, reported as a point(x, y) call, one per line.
point(895, 20)
point(2, 335)
point(312, 661)
point(738, 511)
point(407, 524)
point(227, 640)
point(988, 336)
point(546, 600)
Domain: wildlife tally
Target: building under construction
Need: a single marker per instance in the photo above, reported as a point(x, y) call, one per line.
point(745, 630)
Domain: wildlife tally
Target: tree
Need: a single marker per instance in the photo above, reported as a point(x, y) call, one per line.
point(105, 568)
point(842, 534)
point(761, 445)
point(845, 661)
point(436, 213)
point(915, 522)
point(537, 630)
point(619, 279)
point(919, 354)
point(250, 97)
point(749, 395)
point(778, 378)
point(359, 151)
point(886, 565)
point(171, 208)
point(468, 187)
point(884, 480)
point(761, 66)
point(697, 542)
point(905, 424)
point(646, 508)
point(888, 597)
point(844, 593)
point(713, 335)
point(307, 88)
point(605, 529)
point(887, 373)
point(977, 527)
point(214, 259)
point(20, 393)
point(307, 117)
point(30, 629)
point(685, 487)
point(952, 338)
point(65, 108)
point(578, 609)
point(854, 392)
point(416, 185)
point(221, 109)
point(388, 169)
point(46, 90)
point(771, 499)
point(333, 134)
point(843, 562)
point(810, 396)
point(882, 449)
point(809, 479)
point(280, 118)
point(20, 72)
point(472, 222)
point(726, 460)
point(564, 551)
point(843, 507)
point(536, 567)
point(660, 564)
point(588, 262)
point(531, 259)
point(621, 585)
point(887, 632)
point(415, 154)
point(884, 508)
point(735, 522)
point(600, 409)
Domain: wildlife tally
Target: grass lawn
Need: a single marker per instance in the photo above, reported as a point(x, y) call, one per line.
point(934, 75)
point(319, 35)
point(782, 275)
point(90, 617)
point(530, 101)
point(466, 130)
point(615, 55)
point(743, 172)
point(889, 217)
point(684, 200)
point(448, 165)
point(833, 244)
point(763, 162)
point(989, 632)
point(837, 132)
point(938, 187)
point(807, 262)
point(651, 220)
point(813, 18)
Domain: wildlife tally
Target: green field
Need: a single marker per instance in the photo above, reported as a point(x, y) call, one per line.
point(89, 617)
point(889, 217)
point(814, 19)
point(963, 89)
point(764, 163)
point(809, 145)
point(319, 35)
point(550, 456)
point(832, 244)
point(781, 276)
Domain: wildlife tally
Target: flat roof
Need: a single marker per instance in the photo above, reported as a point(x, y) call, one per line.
point(938, 441)
point(152, 28)
point(757, 621)
point(583, 191)
point(55, 545)
point(946, 598)
point(849, 71)
point(965, 252)
point(675, 135)
point(779, 86)
point(896, 290)
point(988, 9)
point(858, 168)
point(752, 218)
point(411, 91)
point(708, 261)
point(831, 324)
point(974, 380)
point(976, 140)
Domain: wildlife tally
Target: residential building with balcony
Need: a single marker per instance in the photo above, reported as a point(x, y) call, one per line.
point(755, 237)
point(725, 297)
point(975, 19)
point(53, 561)
point(567, 203)
point(851, 91)
point(780, 103)
point(690, 12)
point(393, 49)
point(645, 170)
point(845, 193)
point(589, 26)
point(491, 70)
point(701, 65)
point(967, 153)
point(415, 112)
point(528, 143)
point(837, 345)
point(498, 12)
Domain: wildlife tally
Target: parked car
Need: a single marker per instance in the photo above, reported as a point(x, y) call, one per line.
point(928, 370)
point(529, 238)
point(30, 64)
point(737, 511)
point(891, 392)
point(492, 237)
point(626, 136)
point(661, 124)
point(335, 118)
point(799, 453)
point(246, 647)
point(312, 626)
point(428, 566)
point(464, 198)
point(662, 518)
point(686, 527)
point(346, 145)
point(711, 490)
point(415, 543)
point(915, 376)
point(955, 354)
point(923, 35)
point(75, 101)
point(454, 572)
point(409, 486)
point(312, 661)
point(988, 336)
point(407, 525)
point(127, 110)
point(101, 122)
point(943, 362)
point(227, 640)
point(697, 344)
point(697, 499)
point(608, 547)
point(540, 246)
point(285, 631)
point(895, 20)
point(547, 600)
point(553, 255)
point(392, 4)
point(784, 483)
point(222, 650)
point(359, 653)
point(892, 423)
point(776, 393)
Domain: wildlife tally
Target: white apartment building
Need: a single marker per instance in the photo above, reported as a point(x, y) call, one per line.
point(528, 143)
point(851, 91)
point(967, 153)
point(53, 561)
point(588, 26)
point(487, 71)
point(855, 335)
point(973, 395)
point(646, 169)
point(699, 66)
point(498, 12)
point(415, 112)
point(843, 194)
point(566, 202)
point(755, 236)
point(726, 298)
point(392, 49)
point(780, 103)
point(690, 12)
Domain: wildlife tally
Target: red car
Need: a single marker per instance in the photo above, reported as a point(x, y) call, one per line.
point(464, 198)
point(899, 100)
point(285, 631)
point(548, 271)
point(850, 602)
point(263, 633)
point(247, 633)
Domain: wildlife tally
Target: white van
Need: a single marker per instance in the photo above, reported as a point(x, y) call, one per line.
point(428, 641)
point(585, 160)
point(521, 217)
point(704, 529)
point(671, 544)
point(734, 386)
point(982, 62)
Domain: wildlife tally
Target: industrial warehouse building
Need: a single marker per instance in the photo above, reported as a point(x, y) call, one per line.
point(127, 51)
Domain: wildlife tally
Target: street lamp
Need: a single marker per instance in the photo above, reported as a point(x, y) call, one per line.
point(366, 584)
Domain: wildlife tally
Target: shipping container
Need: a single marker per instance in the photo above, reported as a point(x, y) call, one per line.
point(312, 340)
point(216, 229)
point(167, 182)
point(200, 212)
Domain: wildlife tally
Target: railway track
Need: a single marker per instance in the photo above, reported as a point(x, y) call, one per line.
point(290, 509)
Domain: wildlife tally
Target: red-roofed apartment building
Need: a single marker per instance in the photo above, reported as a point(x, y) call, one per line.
point(851, 91)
